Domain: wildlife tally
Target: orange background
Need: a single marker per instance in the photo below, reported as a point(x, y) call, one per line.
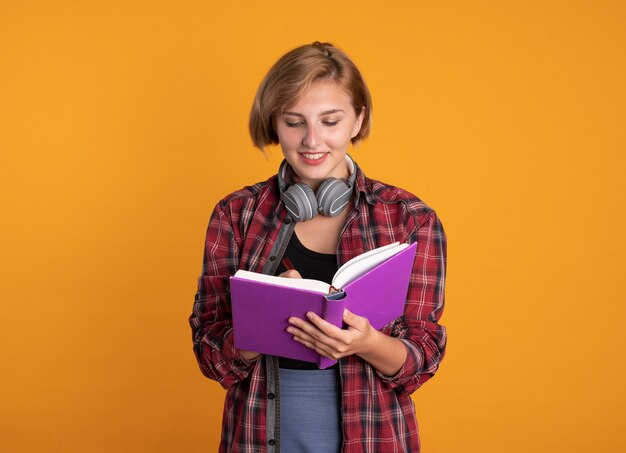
point(123, 122)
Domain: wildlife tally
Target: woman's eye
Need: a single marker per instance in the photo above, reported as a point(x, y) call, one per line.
point(293, 123)
point(330, 122)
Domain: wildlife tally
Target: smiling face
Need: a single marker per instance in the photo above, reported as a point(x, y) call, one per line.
point(315, 133)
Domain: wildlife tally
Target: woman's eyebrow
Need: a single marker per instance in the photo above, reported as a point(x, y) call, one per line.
point(327, 112)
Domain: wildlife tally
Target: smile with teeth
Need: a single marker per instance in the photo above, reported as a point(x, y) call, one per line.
point(313, 156)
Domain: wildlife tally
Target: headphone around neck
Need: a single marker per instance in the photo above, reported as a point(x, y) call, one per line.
point(331, 198)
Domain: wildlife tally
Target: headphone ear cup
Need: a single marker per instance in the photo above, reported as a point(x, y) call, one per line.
point(333, 196)
point(300, 201)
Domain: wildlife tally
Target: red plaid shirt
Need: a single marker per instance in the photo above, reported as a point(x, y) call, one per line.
point(377, 411)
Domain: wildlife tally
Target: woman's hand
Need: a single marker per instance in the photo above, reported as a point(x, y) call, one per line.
point(291, 273)
point(331, 341)
point(384, 353)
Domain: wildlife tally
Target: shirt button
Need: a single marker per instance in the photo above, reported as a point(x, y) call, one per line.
point(238, 362)
point(272, 442)
point(272, 258)
point(287, 221)
point(271, 396)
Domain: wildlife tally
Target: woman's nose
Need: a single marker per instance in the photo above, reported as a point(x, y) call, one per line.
point(312, 137)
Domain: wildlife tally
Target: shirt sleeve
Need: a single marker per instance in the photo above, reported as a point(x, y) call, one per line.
point(419, 328)
point(211, 319)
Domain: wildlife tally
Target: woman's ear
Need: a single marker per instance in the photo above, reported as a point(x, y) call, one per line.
point(359, 122)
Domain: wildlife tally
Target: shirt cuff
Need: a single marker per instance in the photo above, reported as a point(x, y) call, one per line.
point(406, 372)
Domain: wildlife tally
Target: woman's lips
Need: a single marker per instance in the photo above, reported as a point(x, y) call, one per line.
point(313, 158)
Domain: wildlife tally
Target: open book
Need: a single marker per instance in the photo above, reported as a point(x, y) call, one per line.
point(373, 285)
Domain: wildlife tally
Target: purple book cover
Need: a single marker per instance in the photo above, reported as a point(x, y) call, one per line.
point(260, 310)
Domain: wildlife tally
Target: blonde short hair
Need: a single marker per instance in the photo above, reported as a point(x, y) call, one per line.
point(292, 75)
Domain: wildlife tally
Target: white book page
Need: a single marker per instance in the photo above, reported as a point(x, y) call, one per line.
point(302, 283)
point(362, 264)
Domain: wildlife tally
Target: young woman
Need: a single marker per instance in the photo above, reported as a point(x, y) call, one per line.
point(318, 212)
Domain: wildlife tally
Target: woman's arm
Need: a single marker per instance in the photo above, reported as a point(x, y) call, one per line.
point(211, 320)
point(408, 352)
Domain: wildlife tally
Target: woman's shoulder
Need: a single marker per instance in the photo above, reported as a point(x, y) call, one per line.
point(381, 192)
point(254, 193)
